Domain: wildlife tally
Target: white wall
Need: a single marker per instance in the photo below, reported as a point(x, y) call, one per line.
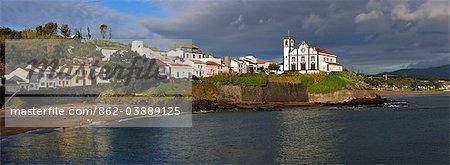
point(107, 53)
point(180, 71)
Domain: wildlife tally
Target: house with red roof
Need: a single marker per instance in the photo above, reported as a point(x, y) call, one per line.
point(213, 68)
point(199, 68)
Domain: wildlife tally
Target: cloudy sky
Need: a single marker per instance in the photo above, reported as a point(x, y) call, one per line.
point(368, 36)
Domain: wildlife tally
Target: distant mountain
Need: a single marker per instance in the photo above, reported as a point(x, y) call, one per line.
point(440, 72)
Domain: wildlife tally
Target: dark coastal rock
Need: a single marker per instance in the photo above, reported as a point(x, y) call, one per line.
point(377, 101)
point(208, 105)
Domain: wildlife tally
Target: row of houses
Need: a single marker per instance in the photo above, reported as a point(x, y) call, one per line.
point(40, 77)
point(181, 61)
point(187, 60)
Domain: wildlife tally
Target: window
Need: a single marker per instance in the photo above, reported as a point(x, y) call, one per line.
point(286, 42)
point(303, 58)
point(193, 56)
point(67, 82)
point(178, 74)
point(293, 59)
point(42, 84)
point(313, 58)
point(76, 81)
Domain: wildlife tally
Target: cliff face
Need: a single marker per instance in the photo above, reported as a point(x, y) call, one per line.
point(287, 92)
point(342, 96)
point(273, 92)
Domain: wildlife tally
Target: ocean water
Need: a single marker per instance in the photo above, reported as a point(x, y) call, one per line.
point(417, 132)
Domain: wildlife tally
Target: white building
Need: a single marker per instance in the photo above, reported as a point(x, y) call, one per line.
point(238, 65)
point(35, 78)
point(107, 54)
point(138, 46)
point(262, 65)
point(199, 68)
point(186, 51)
point(307, 59)
point(180, 71)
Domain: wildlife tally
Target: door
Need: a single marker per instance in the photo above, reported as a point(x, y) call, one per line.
point(293, 67)
point(303, 66)
point(313, 66)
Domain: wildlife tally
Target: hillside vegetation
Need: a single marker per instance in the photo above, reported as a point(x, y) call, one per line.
point(205, 88)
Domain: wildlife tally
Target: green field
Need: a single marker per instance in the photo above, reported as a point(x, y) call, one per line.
point(205, 88)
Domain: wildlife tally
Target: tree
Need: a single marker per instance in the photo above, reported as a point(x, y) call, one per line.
point(88, 36)
point(39, 30)
point(65, 30)
point(103, 29)
point(50, 28)
point(274, 66)
point(110, 35)
point(78, 34)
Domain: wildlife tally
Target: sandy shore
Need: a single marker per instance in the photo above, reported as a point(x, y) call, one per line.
point(22, 124)
point(386, 93)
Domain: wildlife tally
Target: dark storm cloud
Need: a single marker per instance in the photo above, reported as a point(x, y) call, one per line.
point(372, 36)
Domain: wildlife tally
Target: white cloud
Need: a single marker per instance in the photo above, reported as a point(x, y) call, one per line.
point(427, 10)
point(76, 14)
point(238, 20)
point(374, 14)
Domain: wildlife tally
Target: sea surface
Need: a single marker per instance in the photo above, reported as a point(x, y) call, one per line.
point(416, 132)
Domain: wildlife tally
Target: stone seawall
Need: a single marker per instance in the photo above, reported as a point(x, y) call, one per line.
point(273, 92)
point(342, 96)
point(287, 92)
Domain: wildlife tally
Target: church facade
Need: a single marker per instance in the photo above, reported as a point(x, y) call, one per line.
point(307, 59)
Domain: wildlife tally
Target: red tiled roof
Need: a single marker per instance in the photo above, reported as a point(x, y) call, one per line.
point(320, 50)
point(197, 62)
point(249, 61)
point(261, 62)
point(211, 63)
point(186, 46)
point(179, 65)
point(160, 63)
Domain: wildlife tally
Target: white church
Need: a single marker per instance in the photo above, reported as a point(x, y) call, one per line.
point(307, 59)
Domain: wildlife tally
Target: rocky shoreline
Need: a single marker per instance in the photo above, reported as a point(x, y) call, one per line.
point(199, 106)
